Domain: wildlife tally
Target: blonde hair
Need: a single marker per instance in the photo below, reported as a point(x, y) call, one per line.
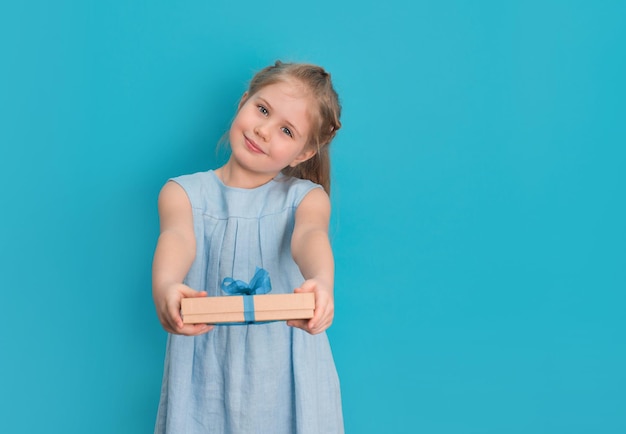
point(326, 121)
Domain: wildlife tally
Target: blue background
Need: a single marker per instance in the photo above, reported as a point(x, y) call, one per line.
point(478, 203)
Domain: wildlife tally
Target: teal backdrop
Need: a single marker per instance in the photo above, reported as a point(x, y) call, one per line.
point(478, 196)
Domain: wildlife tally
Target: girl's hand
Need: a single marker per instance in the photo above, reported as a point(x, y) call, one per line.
point(168, 310)
point(324, 308)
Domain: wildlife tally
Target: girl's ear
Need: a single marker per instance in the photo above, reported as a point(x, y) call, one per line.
point(306, 154)
point(243, 100)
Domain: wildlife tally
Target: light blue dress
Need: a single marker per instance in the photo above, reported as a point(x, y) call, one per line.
point(244, 379)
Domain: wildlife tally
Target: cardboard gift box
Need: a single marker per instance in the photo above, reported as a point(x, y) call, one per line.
point(248, 308)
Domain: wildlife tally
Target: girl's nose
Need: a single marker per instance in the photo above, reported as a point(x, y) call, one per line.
point(261, 132)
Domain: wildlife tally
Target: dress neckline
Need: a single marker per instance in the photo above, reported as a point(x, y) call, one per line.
point(243, 189)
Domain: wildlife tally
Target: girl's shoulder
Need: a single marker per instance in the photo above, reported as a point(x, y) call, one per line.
point(295, 189)
point(199, 186)
point(194, 178)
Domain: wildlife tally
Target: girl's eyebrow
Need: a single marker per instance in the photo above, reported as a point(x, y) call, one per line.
point(269, 106)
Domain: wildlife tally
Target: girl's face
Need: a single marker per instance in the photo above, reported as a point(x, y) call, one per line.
point(271, 129)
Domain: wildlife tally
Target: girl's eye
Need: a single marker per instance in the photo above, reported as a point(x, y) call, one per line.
point(287, 131)
point(263, 110)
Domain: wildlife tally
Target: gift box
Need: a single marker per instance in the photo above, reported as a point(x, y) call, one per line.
point(248, 308)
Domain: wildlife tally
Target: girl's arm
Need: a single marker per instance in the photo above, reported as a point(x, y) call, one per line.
point(174, 254)
point(311, 250)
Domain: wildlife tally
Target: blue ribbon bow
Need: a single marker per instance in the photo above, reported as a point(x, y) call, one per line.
point(260, 284)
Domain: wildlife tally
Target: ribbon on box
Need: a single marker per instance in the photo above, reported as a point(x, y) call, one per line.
point(260, 284)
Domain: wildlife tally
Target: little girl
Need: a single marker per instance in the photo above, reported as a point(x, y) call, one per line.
point(267, 207)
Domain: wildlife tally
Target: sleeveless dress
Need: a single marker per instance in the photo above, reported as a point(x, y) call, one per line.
point(264, 378)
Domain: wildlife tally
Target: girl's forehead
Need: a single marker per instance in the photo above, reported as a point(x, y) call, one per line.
point(289, 88)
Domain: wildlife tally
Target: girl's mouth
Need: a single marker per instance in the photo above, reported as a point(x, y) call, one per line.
point(253, 146)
